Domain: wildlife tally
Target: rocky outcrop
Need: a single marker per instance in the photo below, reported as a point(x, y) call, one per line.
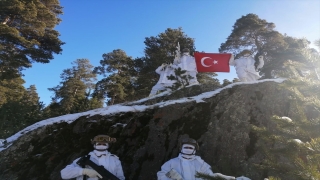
point(146, 139)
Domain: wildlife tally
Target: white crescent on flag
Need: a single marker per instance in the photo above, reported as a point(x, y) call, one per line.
point(202, 61)
point(219, 62)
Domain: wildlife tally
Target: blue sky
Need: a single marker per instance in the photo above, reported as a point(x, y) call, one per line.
point(91, 28)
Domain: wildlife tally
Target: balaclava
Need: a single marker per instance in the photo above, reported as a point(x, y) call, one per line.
point(186, 52)
point(188, 151)
point(101, 146)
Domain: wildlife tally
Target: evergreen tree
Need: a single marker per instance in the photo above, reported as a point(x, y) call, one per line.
point(27, 34)
point(291, 146)
point(118, 71)
point(159, 49)
point(208, 78)
point(235, 80)
point(11, 90)
point(303, 61)
point(226, 82)
point(181, 79)
point(258, 35)
point(32, 105)
point(70, 95)
point(21, 112)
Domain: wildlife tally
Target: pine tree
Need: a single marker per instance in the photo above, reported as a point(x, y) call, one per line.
point(291, 146)
point(20, 112)
point(208, 78)
point(32, 105)
point(118, 71)
point(258, 35)
point(27, 34)
point(226, 82)
point(159, 49)
point(181, 79)
point(70, 95)
point(11, 90)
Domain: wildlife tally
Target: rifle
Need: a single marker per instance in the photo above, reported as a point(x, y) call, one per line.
point(106, 175)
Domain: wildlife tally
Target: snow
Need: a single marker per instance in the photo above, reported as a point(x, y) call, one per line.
point(121, 108)
point(2, 142)
point(286, 119)
point(298, 141)
point(242, 178)
point(119, 124)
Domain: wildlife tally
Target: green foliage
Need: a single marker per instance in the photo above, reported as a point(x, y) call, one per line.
point(235, 80)
point(118, 70)
point(291, 147)
point(20, 113)
point(258, 35)
point(159, 49)
point(11, 90)
point(208, 78)
point(250, 32)
point(287, 148)
point(72, 95)
point(310, 164)
point(273, 178)
point(181, 79)
point(226, 82)
point(27, 34)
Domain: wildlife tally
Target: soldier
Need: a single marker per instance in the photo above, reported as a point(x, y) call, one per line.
point(188, 63)
point(245, 66)
point(185, 166)
point(99, 156)
point(164, 83)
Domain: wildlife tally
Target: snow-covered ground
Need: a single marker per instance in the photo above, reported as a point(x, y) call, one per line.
point(69, 118)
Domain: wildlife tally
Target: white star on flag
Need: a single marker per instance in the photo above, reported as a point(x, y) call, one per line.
point(212, 62)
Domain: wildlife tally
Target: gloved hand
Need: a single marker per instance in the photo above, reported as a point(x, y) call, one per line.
point(91, 173)
point(173, 174)
point(224, 176)
point(261, 63)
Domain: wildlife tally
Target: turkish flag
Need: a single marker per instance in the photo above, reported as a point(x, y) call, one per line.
point(212, 62)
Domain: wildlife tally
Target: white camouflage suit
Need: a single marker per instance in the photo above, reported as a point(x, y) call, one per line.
point(109, 161)
point(188, 63)
point(164, 71)
point(245, 68)
point(187, 168)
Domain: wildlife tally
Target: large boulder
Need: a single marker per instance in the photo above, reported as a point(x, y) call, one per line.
point(147, 137)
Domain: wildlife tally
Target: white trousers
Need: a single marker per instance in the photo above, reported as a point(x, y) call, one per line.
point(160, 87)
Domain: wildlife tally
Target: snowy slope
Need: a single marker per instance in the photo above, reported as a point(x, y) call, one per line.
point(69, 118)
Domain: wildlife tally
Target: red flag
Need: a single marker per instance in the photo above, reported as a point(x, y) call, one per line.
point(212, 62)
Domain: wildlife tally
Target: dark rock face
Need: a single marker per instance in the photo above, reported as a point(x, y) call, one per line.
point(221, 124)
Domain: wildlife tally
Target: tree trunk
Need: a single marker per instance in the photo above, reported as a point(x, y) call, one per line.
point(111, 102)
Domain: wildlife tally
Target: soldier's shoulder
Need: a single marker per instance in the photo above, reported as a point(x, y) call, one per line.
point(114, 156)
point(198, 158)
